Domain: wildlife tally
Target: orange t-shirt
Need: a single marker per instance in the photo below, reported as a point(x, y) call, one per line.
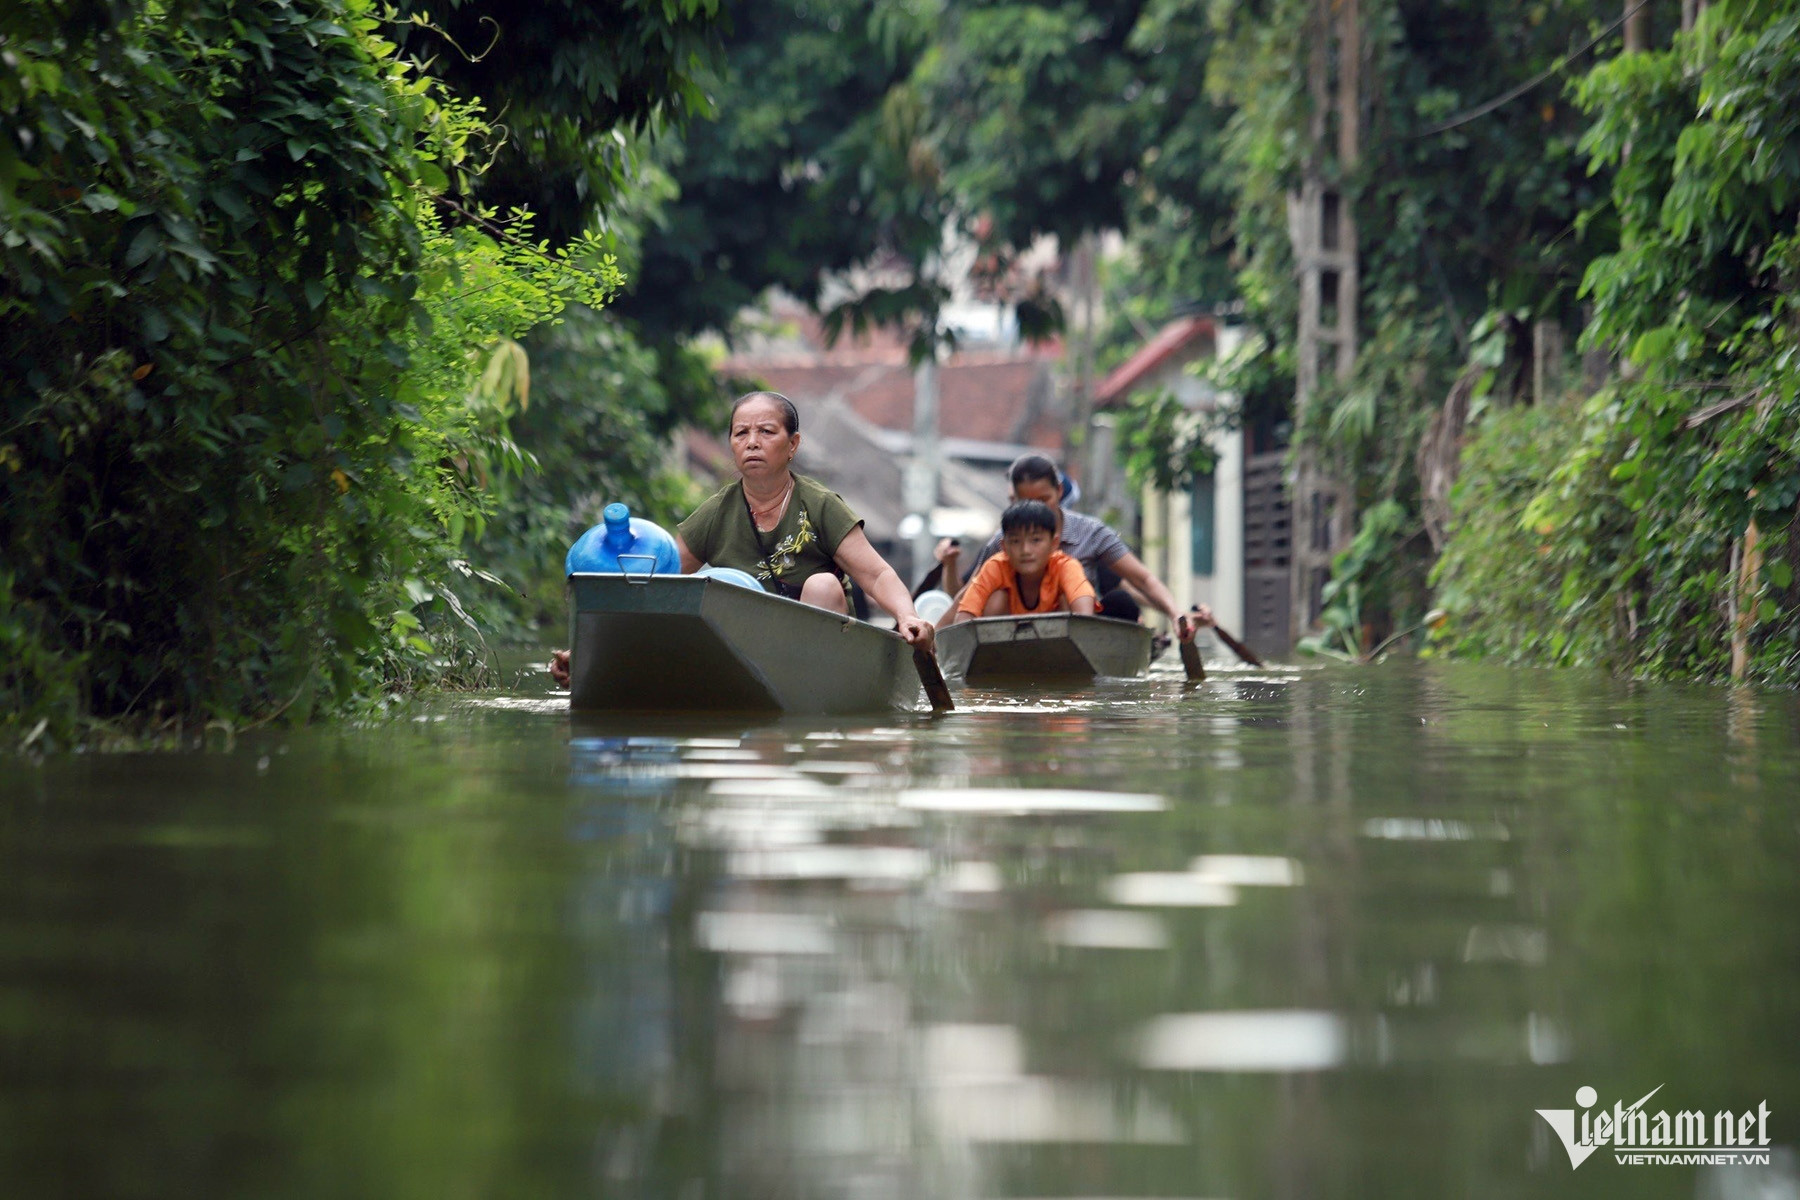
point(1063, 582)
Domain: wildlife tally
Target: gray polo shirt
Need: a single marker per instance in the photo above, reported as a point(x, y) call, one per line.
point(1088, 540)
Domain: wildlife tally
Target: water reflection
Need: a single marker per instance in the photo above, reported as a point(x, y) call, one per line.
point(1310, 933)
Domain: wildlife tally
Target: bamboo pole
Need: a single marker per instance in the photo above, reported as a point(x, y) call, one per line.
point(1743, 599)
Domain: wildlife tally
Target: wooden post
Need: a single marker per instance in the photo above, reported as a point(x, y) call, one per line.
point(1322, 228)
point(1548, 348)
point(1743, 598)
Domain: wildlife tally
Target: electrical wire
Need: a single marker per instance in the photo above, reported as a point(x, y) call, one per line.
point(1482, 110)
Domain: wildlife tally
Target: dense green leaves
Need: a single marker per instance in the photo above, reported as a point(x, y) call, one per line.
point(576, 87)
point(793, 177)
point(1642, 525)
point(238, 345)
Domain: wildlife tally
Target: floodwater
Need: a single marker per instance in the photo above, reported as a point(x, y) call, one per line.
point(1321, 932)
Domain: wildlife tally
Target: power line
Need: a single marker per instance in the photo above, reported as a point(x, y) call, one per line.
point(1482, 110)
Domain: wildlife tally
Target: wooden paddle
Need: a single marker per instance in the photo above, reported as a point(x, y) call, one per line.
point(932, 676)
point(1190, 661)
point(1238, 648)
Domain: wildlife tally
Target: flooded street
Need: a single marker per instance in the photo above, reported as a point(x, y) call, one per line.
point(1311, 932)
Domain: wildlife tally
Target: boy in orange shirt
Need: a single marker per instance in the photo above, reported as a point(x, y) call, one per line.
point(1031, 576)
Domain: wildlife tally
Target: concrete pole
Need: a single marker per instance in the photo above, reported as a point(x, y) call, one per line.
point(1637, 25)
point(926, 467)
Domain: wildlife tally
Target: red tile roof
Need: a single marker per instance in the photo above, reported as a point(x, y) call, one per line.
point(981, 398)
point(1172, 339)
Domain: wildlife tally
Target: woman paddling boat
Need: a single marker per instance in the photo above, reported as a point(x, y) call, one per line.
point(798, 538)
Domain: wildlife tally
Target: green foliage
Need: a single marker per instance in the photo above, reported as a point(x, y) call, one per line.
point(781, 186)
point(1454, 220)
point(1638, 526)
point(1164, 443)
point(239, 348)
point(1081, 117)
point(582, 88)
point(604, 406)
point(1368, 566)
point(1502, 579)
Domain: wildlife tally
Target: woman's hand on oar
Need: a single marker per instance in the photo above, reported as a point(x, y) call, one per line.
point(923, 639)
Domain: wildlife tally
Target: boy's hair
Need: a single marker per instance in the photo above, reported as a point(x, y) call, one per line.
point(1028, 514)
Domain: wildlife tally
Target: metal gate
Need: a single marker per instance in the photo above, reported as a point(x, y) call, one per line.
point(1268, 554)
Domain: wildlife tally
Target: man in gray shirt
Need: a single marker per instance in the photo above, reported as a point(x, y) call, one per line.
point(1087, 540)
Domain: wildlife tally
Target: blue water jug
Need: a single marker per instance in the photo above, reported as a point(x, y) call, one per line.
point(621, 536)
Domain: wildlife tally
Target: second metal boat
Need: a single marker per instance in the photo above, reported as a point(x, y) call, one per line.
point(1052, 647)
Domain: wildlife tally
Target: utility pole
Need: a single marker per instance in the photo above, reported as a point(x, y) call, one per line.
point(926, 467)
point(1322, 227)
point(1084, 283)
point(1637, 25)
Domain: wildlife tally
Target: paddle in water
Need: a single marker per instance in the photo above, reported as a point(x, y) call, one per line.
point(1238, 648)
point(1190, 661)
point(932, 676)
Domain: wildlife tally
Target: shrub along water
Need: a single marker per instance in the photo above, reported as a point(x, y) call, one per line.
point(244, 416)
point(1651, 529)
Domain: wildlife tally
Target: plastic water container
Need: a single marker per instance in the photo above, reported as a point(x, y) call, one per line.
point(932, 604)
point(743, 579)
point(645, 547)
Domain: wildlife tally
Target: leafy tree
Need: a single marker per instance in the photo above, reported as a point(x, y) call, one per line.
point(577, 90)
point(1463, 208)
point(238, 348)
point(1083, 116)
point(778, 187)
point(603, 406)
point(1640, 524)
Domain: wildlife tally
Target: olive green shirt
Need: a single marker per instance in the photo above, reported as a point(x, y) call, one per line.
point(804, 543)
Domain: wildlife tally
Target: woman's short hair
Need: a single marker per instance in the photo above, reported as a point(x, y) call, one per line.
point(1033, 468)
point(790, 416)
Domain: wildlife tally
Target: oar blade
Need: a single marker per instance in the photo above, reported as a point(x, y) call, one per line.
point(1238, 648)
point(1190, 661)
point(932, 676)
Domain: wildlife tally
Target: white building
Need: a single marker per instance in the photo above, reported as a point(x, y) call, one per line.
point(1225, 541)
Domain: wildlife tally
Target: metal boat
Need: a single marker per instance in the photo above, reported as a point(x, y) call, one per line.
point(1051, 647)
point(685, 643)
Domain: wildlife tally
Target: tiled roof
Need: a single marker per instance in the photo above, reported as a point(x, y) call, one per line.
point(997, 399)
point(1171, 340)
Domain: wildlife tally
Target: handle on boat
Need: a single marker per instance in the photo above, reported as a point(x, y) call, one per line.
point(932, 676)
point(649, 569)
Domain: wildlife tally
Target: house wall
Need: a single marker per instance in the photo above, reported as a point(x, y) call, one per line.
point(1224, 588)
point(1167, 532)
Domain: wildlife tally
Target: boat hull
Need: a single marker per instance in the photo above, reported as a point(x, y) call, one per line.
point(684, 643)
point(1053, 647)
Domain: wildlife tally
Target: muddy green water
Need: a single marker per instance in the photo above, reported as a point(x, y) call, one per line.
point(1308, 933)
